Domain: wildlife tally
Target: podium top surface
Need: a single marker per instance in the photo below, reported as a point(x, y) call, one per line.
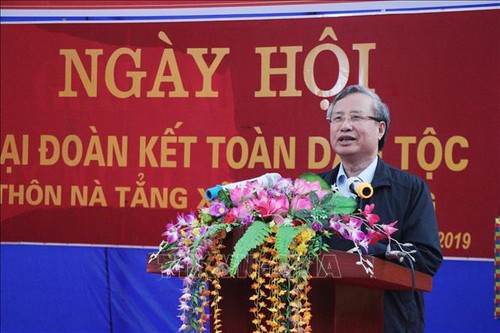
point(342, 267)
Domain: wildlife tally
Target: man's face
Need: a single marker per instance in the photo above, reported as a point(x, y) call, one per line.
point(353, 131)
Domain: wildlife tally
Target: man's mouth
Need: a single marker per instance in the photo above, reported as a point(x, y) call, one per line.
point(346, 139)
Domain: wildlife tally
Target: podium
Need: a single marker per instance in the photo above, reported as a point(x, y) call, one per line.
point(345, 299)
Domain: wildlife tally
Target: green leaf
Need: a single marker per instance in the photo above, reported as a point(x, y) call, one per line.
point(327, 198)
point(303, 214)
point(284, 238)
point(312, 177)
point(314, 198)
point(225, 198)
point(342, 204)
point(251, 239)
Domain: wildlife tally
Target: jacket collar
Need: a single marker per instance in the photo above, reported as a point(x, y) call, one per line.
point(381, 177)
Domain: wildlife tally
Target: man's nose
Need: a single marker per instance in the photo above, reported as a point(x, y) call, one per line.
point(346, 124)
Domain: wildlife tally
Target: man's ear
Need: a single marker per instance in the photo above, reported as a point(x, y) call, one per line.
point(381, 129)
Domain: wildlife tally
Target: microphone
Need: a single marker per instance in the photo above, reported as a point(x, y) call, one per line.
point(392, 254)
point(398, 255)
point(268, 179)
point(357, 186)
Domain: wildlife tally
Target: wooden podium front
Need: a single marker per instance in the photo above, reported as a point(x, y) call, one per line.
point(345, 299)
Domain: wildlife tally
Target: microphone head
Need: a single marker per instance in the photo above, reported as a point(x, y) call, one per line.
point(362, 189)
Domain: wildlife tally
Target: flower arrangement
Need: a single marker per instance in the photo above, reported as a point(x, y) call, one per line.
point(285, 228)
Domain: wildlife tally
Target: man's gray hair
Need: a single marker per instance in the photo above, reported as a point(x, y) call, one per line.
point(381, 110)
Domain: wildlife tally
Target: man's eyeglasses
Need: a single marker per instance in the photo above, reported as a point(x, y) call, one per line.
point(353, 118)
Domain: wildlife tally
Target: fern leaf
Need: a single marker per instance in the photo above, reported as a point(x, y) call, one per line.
point(251, 239)
point(284, 238)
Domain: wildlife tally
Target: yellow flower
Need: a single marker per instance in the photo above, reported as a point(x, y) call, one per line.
point(307, 234)
point(301, 248)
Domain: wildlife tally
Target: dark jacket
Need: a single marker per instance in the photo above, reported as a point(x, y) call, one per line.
point(403, 197)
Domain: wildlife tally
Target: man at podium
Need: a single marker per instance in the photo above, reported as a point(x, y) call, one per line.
point(359, 124)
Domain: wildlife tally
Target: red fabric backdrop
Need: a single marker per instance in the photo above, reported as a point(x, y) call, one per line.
point(84, 166)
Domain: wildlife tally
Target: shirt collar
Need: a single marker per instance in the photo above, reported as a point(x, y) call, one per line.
point(366, 175)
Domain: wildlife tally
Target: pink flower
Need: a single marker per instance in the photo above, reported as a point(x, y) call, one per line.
point(188, 280)
point(354, 223)
point(177, 267)
point(171, 235)
point(240, 194)
point(279, 219)
point(186, 296)
point(186, 261)
point(389, 228)
point(371, 218)
point(356, 236)
point(268, 206)
point(322, 193)
point(316, 226)
point(302, 186)
point(364, 243)
point(217, 209)
point(186, 219)
point(243, 212)
point(375, 236)
point(284, 185)
point(337, 225)
point(301, 202)
point(183, 306)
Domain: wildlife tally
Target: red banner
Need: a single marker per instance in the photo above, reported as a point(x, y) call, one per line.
point(108, 130)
